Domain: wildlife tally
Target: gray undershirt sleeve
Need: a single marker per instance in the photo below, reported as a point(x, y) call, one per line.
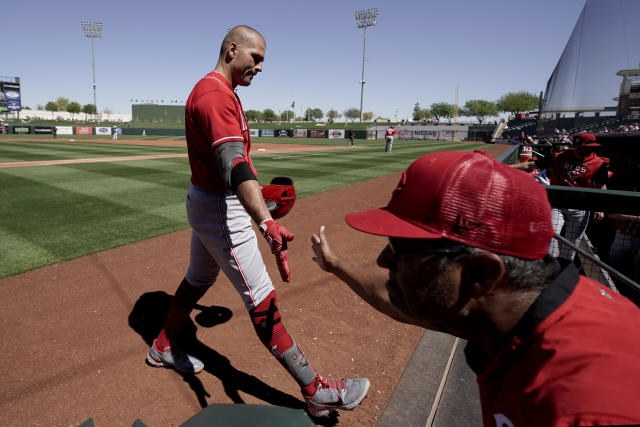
point(226, 153)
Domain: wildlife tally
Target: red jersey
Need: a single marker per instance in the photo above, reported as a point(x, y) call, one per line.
point(390, 132)
point(568, 170)
point(573, 359)
point(213, 115)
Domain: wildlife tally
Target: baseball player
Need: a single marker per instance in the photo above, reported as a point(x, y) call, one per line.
point(467, 256)
point(576, 167)
point(388, 135)
point(115, 133)
point(223, 198)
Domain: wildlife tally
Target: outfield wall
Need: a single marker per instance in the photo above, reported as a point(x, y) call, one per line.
point(438, 133)
point(64, 115)
point(157, 113)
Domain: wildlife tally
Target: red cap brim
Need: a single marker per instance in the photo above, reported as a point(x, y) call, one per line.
point(381, 222)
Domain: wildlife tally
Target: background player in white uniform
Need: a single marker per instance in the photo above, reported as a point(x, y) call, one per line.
point(221, 202)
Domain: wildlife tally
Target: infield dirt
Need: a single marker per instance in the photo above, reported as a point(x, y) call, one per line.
point(75, 334)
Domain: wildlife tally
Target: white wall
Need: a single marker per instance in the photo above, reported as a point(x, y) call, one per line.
point(63, 115)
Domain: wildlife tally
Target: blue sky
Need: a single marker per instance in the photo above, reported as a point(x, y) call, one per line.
point(418, 51)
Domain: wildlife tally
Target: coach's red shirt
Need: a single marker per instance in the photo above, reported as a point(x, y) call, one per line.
point(573, 359)
point(567, 169)
point(213, 115)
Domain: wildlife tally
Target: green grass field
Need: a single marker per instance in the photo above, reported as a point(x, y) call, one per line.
point(56, 213)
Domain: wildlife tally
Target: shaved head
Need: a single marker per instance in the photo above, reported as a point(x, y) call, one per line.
point(241, 55)
point(240, 35)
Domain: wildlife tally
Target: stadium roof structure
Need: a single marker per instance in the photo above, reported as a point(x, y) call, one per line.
point(604, 41)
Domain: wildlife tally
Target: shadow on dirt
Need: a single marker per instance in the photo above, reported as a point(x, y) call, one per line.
point(146, 319)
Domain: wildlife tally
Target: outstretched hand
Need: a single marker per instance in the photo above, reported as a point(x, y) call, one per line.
point(324, 256)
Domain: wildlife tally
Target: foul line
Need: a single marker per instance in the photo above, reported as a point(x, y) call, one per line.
point(94, 160)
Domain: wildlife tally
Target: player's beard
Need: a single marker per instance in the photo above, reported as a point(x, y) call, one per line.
point(439, 303)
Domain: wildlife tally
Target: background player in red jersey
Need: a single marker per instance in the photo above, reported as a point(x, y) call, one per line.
point(468, 256)
point(388, 136)
point(223, 198)
point(578, 166)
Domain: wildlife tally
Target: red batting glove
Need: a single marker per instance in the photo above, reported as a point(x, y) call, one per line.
point(283, 265)
point(277, 236)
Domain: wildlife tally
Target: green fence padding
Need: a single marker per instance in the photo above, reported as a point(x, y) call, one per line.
point(511, 156)
point(154, 131)
point(608, 201)
point(230, 415)
point(157, 113)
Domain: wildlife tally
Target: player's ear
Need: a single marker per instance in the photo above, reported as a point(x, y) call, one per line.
point(481, 272)
point(232, 51)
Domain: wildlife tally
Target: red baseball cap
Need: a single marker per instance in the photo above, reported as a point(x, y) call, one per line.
point(467, 197)
point(586, 139)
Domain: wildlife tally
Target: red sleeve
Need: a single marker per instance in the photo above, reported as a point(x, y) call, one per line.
point(601, 177)
point(218, 118)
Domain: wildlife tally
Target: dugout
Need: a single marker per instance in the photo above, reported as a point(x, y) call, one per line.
point(614, 238)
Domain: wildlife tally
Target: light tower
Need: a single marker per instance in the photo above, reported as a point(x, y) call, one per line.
point(364, 19)
point(93, 30)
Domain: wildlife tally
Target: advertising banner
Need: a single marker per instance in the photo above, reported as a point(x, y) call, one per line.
point(266, 132)
point(21, 129)
point(254, 132)
point(65, 130)
point(84, 130)
point(282, 133)
point(336, 133)
point(10, 96)
point(299, 133)
point(42, 129)
point(420, 134)
point(103, 130)
point(314, 133)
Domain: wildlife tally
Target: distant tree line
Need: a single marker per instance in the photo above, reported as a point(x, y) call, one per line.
point(63, 104)
point(480, 109)
point(512, 102)
point(310, 114)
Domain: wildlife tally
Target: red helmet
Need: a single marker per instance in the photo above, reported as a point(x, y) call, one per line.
point(279, 195)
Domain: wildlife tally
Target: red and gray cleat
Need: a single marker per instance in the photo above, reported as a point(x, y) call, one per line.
point(336, 394)
point(174, 358)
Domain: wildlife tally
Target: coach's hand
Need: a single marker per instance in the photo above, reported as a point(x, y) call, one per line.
point(324, 256)
point(277, 236)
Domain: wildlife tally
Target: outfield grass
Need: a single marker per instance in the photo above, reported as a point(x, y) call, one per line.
point(58, 149)
point(55, 213)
